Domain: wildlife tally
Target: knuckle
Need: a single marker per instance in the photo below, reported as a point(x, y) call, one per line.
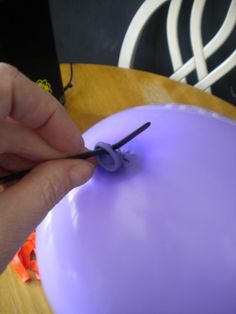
point(8, 74)
point(8, 70)
point(52, 191)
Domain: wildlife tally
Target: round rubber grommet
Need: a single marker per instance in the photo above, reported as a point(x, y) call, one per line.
point(109, 159)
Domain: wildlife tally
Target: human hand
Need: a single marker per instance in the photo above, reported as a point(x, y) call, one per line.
point(34, 127)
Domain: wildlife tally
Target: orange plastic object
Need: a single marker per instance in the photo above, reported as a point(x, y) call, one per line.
point(25, 260)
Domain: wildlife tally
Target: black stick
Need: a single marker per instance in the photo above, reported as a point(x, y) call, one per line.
point(86, 155)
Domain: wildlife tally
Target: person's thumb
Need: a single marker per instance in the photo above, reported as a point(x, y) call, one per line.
point(24, 205)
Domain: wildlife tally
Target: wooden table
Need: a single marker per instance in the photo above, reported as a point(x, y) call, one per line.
point(99, 91)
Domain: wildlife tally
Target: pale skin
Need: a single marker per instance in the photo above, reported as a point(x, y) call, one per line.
point(34, 128)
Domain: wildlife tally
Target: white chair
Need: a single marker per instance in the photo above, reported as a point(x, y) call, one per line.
point(200, 53)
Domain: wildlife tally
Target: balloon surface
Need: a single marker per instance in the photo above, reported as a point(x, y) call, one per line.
point(157, 236)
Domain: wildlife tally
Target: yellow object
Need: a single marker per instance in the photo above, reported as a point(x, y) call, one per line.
point(45, 85)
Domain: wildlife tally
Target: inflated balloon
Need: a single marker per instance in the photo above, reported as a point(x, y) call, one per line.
point(159, 234)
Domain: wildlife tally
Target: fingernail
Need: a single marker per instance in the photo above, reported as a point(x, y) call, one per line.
point(81, 173)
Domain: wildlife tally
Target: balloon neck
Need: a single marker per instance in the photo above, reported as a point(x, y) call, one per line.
point(109, 159)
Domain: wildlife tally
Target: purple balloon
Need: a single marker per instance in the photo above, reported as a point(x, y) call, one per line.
point(157, 236)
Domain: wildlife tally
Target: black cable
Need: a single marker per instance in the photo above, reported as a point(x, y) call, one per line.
point(69, 84)
point(97, 151)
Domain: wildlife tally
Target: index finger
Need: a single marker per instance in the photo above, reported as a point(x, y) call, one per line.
point(24, 101)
